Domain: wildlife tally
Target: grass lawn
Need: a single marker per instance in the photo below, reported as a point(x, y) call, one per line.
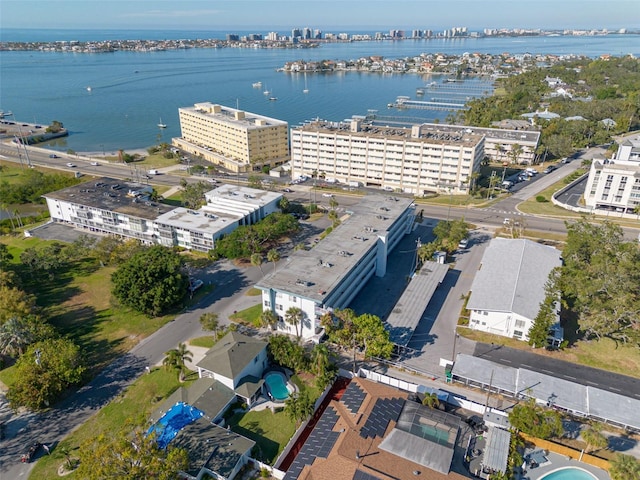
point(78, 303)
point(207, 341)
point(603, 354)
point(270, 431)
point(157, 161)
point(248, 316)
point(133, 407)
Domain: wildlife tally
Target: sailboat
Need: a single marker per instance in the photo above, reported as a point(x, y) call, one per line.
point(306, 90)
point(162, 125)
point(266, 91)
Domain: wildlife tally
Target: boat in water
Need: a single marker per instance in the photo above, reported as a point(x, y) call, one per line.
point(88, 89)
point(162, 125)
point(257, 85)
point(273, 99)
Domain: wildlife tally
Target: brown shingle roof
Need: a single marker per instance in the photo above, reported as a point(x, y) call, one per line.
point(342, 462)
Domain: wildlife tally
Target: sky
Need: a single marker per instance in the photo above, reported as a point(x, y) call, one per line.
point(271, 15)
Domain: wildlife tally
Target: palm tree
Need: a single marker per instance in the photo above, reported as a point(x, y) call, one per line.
point(268, 319)
point(294, 316)
point(65, 451)
point(256, 261)
point(273, 256)
point(515, 152)
point(176, 358)
point(594, 438)
point(15, 336)
point(431, 400)
point(299, 407)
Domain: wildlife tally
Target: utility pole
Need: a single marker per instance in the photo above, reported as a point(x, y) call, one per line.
point(486, 406)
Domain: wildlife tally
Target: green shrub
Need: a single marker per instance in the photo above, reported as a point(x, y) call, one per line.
point(541, 199)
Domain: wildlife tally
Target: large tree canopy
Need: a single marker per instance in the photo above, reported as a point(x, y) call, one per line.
point(105, 457)
point(600, 280)
point(151, 281)
point(44, 372)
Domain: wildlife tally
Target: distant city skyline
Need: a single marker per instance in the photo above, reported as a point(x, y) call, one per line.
point(326, 15)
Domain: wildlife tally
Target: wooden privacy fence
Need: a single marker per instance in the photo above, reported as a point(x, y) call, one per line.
point(567, 452)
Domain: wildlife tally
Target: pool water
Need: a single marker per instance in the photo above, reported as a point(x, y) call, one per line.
point(176, 418)
point(277, 387)
point(569, 473)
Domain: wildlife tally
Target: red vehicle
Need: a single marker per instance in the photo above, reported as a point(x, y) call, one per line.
point(29, 454)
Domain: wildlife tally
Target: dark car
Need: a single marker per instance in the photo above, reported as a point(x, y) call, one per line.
point(53, 155)
point(31, 452)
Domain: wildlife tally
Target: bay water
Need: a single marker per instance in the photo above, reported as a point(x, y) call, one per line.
point(112, 101)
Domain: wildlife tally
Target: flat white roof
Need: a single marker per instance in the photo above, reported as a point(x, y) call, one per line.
point(238, 200)
point(233, 115)
point(315, 273)
point(225, 205)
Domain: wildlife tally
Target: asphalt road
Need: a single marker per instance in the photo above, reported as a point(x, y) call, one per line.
point(49, 428)
point(433, 339)
point(590, 377)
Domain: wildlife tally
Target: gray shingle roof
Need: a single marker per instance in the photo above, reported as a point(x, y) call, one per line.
point(206, 394)
point(512, 277)
point(231, 354)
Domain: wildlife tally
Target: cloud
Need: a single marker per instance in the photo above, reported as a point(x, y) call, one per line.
point(171, 14)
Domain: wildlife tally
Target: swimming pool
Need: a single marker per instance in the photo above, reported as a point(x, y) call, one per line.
point(569, 473)
point(277, 385)
point(176, 418)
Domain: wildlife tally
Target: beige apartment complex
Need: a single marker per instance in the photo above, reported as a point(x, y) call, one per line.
point(234, 139)
point(412, 159)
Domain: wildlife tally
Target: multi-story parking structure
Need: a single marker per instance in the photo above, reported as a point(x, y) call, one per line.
point(234, 139)
point(124, 209)
point(330, 274)
point(412, 159)
point(614, 185)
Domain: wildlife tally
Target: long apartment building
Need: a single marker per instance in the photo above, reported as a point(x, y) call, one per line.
point(330, 275)
point(234, 139)
point(614, 185)
point(124, 209)
point(414, 159)
point(500, 144)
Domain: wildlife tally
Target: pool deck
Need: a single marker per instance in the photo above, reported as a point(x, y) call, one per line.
point(560, 461)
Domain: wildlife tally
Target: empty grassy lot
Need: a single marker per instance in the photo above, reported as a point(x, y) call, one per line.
point(79, 304)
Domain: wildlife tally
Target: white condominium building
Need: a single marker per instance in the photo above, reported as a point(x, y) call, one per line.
point(413, 159)
point(109, 206)
point(329, 275)
point(614, 185)
point(237, 140)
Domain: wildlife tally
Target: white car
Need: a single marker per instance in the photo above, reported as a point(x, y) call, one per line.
point(328, 195)
point(95, 164)
point(71, 165)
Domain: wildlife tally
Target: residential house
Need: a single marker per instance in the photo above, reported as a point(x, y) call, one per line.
point(510, 286)
point(237, 361)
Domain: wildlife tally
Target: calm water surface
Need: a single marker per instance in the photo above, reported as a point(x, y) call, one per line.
point(131, 91)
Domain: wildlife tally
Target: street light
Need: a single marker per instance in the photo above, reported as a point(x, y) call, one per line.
point(104, 155)
point(455, 338)
point(20, 140)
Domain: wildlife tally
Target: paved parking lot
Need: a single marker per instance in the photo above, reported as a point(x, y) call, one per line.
point(60, 232)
